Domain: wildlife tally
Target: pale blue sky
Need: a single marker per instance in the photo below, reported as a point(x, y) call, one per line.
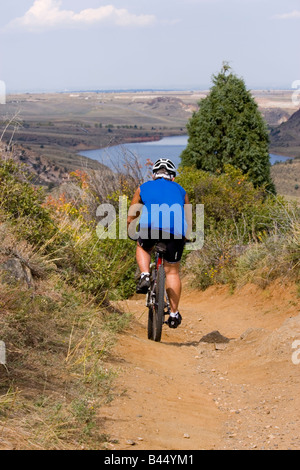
point(52, 45)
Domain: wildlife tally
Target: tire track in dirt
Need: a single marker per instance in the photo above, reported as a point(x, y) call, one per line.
point(182, 394)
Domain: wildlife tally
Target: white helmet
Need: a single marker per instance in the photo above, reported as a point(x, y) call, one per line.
point(164, 163)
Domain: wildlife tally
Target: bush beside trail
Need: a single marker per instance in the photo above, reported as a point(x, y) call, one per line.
point(250, 234)
point(60, 326)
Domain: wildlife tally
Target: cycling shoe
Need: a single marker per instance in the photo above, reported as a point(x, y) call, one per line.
point(143, 284)
point(174, 322)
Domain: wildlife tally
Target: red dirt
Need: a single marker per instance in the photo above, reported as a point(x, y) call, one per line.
point(183, 394)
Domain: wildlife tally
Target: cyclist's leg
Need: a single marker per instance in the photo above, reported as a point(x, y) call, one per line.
point(143, 250)
point(173, 284)
point(143, 259)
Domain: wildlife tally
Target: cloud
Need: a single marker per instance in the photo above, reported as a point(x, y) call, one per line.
point(48, 14)
point(289, 16)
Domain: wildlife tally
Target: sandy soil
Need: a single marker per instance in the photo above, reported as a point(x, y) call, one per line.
point(183, 394)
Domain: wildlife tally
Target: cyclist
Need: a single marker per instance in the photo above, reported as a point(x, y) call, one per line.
point(163, 218)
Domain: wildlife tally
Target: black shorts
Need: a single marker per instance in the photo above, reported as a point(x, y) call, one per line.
point(174, 245)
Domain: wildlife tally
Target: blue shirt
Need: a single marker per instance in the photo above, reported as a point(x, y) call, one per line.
point(163, 209)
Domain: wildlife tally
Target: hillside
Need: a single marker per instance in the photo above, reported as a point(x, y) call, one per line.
point(70, 380)
point(285, 139)
point(79, 372)
point(44, 170)
point(286, 177)
point(57, 324)
point(56, 127)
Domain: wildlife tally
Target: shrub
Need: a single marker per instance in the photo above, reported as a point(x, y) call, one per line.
point(247, 230)
point(215, 262)
point(277, 255)
point(92, 264)
point(63, 228)
point(23, 203)
point(231, 203)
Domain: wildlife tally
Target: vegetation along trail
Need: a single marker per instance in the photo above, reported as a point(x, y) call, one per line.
point(187, 394)
point(78, 374)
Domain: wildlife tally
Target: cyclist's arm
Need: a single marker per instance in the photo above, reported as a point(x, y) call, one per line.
point(135, 200)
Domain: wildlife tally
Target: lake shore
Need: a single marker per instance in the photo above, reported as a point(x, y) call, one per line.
point(144, 149)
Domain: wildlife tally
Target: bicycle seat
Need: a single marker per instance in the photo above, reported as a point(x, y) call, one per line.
point(161, 248)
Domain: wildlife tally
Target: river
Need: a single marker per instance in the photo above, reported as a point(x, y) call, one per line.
point(168, 147)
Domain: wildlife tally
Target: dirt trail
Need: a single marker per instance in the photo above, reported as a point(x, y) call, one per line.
point(183, 394)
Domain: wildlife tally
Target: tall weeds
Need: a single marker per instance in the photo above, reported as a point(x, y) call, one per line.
point(276, 255)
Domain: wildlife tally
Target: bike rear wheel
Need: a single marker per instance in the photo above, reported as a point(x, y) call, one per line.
point(159, 309)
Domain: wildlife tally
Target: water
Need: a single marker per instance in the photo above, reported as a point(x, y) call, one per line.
point(168, 147)
point(278, 158)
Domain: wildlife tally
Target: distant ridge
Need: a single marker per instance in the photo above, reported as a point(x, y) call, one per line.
point(286, 137)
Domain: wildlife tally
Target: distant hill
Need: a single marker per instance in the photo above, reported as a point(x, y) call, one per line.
point(286, 177)
point(44, 170)
point(285, 139)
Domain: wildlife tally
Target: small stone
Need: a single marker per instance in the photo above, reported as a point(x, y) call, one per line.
point(186, 436)
point(220, 347)
point(16, 271)
point(130, 442)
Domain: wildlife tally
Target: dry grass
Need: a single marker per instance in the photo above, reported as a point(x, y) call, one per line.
point(56, 377)
point(269, 255)
point(277, 255)
point(286, 177)
point(57, 344)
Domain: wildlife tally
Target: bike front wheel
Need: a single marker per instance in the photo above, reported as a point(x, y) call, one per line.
point(151, 315)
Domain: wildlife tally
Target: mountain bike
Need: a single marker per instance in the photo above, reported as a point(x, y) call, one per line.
point(157, 298)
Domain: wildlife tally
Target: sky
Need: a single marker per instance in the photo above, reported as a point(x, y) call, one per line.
point(68, 45)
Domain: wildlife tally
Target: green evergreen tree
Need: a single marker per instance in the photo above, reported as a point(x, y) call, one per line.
point(229, 129)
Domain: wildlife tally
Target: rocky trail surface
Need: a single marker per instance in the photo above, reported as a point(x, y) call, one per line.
point(187, 394)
